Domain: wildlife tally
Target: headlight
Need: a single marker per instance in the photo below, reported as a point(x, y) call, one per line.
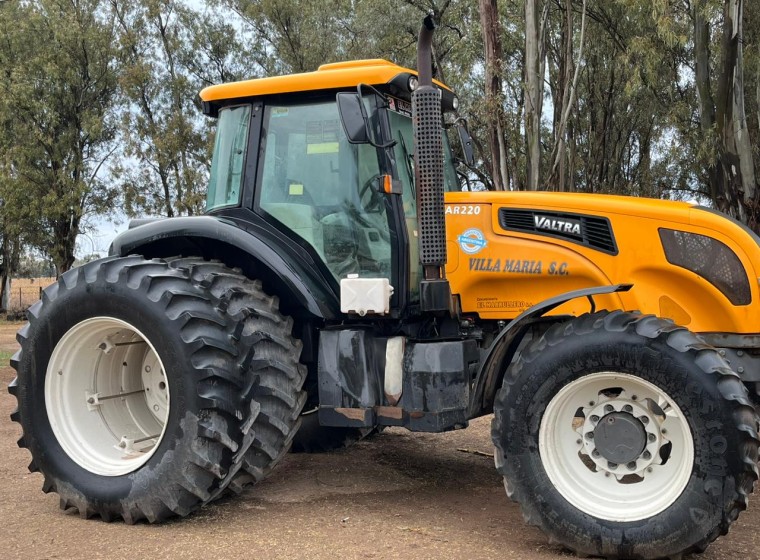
point(711, 259)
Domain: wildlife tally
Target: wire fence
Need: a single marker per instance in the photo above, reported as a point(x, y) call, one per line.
point(25, 291)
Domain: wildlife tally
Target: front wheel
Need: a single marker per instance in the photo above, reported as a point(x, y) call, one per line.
point(625, 436)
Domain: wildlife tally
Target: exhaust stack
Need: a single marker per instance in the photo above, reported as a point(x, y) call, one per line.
point(435, 294)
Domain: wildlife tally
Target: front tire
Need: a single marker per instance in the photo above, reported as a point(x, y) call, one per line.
point(625, 436)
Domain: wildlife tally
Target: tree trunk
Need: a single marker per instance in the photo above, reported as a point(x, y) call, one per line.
point(533, 94)
point(489, 23)
point(570, 79)
point(723, 119)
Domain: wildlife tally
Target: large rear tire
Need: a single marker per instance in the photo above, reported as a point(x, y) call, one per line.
point(276, 377)
point(625, 436)
point(141, 390)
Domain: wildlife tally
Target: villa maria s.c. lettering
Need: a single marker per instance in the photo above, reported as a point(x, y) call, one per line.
point(506, 265)
point(516, 266)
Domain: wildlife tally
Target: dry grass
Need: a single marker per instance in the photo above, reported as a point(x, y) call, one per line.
point(25, 291)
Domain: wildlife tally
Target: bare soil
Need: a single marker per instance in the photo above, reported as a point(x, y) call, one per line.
point(397, 495)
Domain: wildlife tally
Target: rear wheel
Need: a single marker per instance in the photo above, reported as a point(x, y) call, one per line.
point(142, 390)
point(639, 438)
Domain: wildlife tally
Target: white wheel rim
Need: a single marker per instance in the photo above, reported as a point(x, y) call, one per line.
point(594, 485)
point(106, 396)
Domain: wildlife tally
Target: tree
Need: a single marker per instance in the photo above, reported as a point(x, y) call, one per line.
point(165, 138)
point(489, 21)
point(59, 86)
point(728, 161)
point(535, 24)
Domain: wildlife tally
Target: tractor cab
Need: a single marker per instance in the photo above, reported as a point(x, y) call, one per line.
point(329, 166)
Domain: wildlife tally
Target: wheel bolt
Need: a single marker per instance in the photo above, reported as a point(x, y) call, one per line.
point(632, 466)
point(594, 418)
point(647, 455)
point(595, 453)
point(651, 437)
point(608, 408)
point(628, 408)
point(644, 420)
point(611, 465)
point(589, 435)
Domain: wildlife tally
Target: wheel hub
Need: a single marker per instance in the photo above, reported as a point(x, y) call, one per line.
point(621, 435)
point(620, 438)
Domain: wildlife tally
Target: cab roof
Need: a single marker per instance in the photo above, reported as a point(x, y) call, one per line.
point(332, 76)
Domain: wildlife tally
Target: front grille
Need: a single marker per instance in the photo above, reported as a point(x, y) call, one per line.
point(591, 231)
point(713, 260)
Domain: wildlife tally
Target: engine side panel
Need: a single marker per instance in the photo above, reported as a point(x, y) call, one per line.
point(553, 243)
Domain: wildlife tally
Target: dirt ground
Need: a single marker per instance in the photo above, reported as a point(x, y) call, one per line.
point(398, 495)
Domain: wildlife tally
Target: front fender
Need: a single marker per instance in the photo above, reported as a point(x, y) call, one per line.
point(501, 350)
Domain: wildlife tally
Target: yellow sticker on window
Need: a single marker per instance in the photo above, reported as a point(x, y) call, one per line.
point(295, 189)
point(322, 148)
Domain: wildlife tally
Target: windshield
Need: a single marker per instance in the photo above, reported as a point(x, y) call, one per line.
point(323, 189)
point(225, 182)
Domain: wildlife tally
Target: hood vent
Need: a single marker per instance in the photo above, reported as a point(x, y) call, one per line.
point(590, 231)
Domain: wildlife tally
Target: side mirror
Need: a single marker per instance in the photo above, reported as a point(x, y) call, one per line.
point(466, 140)
point(352, 117)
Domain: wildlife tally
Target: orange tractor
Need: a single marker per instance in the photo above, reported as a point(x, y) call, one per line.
point(341, 281)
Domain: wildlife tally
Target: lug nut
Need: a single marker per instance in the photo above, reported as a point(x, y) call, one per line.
point(608, 408)
point(651, 437)
point(644, 420)
point(594, 418)
point(589, 435)
point(647, 455)
point(628, 408)
point(632, 466)
point(611, 465)
point(595, 453)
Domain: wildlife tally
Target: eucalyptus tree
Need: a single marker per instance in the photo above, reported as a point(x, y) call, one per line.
point(168, 51)
point(58, 88)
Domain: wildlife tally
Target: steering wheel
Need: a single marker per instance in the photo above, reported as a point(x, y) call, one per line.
point(374, 204)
